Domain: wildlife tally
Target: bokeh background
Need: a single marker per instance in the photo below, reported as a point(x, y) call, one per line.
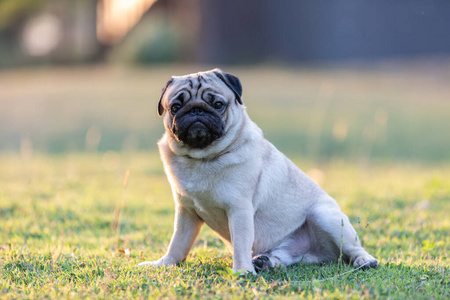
point(356, 80)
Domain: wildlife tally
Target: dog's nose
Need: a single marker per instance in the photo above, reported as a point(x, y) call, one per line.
point(197, 111)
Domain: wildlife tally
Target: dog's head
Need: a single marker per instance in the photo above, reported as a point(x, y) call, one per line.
point(197, 106)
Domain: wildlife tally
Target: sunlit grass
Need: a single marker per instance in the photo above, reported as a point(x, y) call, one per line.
point(57, 240)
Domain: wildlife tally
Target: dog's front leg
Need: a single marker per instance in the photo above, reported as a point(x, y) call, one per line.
point(242, 231)
point(186, 229)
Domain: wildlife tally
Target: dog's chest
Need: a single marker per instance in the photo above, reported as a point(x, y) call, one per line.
point(201, 182)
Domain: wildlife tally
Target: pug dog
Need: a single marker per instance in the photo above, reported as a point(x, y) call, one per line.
point(224, 173)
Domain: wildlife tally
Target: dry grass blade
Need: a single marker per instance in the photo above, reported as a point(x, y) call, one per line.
point(119, 207)
point(56, 254)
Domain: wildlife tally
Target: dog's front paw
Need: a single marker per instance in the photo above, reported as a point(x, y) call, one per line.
point(243, 269)
point(163, 261)
point(155, 263)
point(365, 262)
point(261, 263)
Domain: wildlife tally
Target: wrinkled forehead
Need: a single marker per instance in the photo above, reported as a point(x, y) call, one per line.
point(198, 82)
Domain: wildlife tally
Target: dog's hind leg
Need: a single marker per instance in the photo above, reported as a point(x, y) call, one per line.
point(326, 236)
point(330, 226)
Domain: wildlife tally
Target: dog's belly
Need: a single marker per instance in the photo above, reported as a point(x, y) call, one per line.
point(272, 227)
point(216, 220)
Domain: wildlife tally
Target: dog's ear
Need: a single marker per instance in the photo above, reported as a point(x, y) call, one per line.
point(160, 106)
point(232, 82)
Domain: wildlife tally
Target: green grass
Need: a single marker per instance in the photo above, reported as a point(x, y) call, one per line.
point(376, 139)
point(56, 215)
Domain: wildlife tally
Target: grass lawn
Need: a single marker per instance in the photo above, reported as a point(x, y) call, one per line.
point(376, 140)
point(58, 240)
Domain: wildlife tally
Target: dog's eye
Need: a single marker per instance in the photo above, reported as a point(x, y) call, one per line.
point(175, 108)
point(218, 105)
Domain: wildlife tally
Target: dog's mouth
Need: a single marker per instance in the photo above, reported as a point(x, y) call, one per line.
point(197, 134)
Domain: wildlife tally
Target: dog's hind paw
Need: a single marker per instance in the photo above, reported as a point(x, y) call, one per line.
point(365, 262)
point(261, 262)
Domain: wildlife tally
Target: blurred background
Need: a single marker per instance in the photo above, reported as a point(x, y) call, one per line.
point(353, 80)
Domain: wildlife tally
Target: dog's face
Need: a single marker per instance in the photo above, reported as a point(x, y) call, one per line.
point(197, 106)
